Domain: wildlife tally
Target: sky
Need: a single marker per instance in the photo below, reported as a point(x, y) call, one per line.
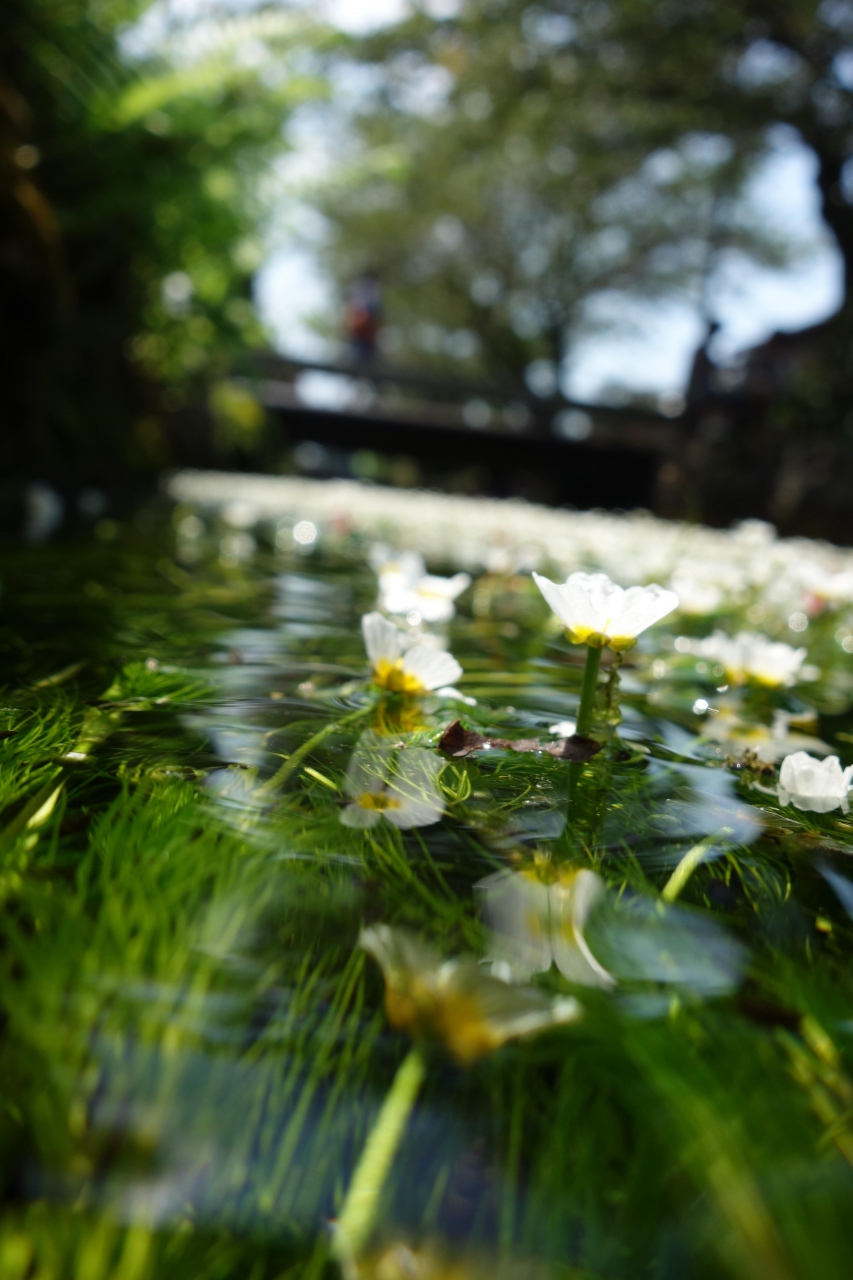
point(750, 301)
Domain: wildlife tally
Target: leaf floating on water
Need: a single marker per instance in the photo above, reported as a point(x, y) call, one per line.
point(578, 749)
point(459, 741)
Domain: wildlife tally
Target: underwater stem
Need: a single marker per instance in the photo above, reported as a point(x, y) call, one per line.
point(359, 1209)
point(691, 860)
point(585, 710)
point(293, 761)
point(588, 688)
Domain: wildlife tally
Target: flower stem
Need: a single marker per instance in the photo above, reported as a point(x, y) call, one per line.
point(293, 761)
point(582, 728)
point(359, 1209)
point(588, 688)
point(690, 861)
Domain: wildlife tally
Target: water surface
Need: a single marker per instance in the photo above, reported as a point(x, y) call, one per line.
point(195, 1046)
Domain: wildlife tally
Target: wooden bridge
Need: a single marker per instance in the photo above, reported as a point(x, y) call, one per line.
point(465, 435)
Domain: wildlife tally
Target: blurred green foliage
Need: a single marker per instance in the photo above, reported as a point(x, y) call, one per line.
point(129, 226)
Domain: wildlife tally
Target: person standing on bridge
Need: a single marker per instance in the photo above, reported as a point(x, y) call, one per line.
point(362, 318)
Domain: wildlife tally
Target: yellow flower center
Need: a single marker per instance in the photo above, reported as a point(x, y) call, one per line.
point(598, 640)
point(377, 800)
point(457, 1018)
point(390, 675)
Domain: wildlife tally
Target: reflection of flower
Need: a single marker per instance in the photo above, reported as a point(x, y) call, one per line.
point(405, 587)
point(385, 780)
point(420, 668)
point(533, 923)
point(597, 612)
point(749, 656)
point(816, 785)
point(769, 742)
point(454, 1000)
point(396, 567)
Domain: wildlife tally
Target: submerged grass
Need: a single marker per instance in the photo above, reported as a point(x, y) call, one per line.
point(195, 1049)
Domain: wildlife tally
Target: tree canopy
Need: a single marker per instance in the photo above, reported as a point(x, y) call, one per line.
point(129, 221)
point(520, 165)
point(512, 172)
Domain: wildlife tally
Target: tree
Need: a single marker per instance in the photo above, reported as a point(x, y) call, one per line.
point(510, 178)
point(743, 70)
point(129, 217)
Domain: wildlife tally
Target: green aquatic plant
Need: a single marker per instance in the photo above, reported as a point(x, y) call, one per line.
point(195, 1049)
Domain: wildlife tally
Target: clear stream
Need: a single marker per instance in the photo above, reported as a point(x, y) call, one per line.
point(195, 1045)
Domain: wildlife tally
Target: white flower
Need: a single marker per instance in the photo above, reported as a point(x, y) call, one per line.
point(816, 785)
point(697, 597)
point(749, 656)
point(597, 612)
point(405, 587)
point(564, 728)
point(386, 780)
point(404, 566)
point(704, 586)
point(418, 669)
point(533, 924)
point(430, 597)
point(454, 1001)
point(769, 742)
point(506, 537)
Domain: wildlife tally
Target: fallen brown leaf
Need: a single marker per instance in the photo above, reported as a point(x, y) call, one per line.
point(459, 741)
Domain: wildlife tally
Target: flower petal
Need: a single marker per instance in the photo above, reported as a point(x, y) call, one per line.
point(573, 898)
point(433, 667)
point(382, 640)
point(515, 908)
point(354, 816)
point(639, 608)
point(413, 787)
point(555, 597)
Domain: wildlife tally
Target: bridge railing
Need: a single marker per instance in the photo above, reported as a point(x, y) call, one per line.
point(387, 393)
